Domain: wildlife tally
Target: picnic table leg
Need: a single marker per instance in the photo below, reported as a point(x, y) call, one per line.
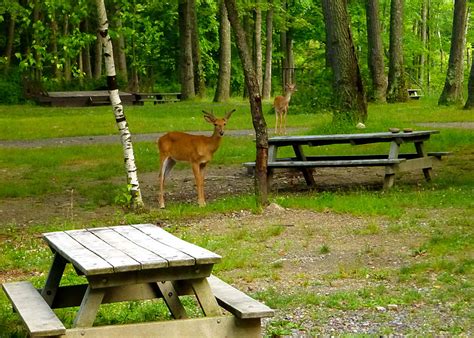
point(54, 278)
point(170, 296)
point(89, 306)
point(420, 150)
point(307, 172)
point(389, 178)
point(205, 297)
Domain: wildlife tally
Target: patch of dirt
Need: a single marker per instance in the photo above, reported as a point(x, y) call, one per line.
point(297, 255)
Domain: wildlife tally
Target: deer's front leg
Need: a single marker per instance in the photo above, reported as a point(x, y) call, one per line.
point(198, 170)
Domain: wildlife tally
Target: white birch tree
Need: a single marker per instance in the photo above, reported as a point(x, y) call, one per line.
point(125, 135)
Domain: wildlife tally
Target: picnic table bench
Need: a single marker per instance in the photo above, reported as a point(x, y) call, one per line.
point(135, 262)
point(393, 161)
point(414, 94)
point(156, 98)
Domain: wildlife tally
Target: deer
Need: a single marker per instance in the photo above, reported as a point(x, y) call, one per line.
point(281, 108)
point(195, 149)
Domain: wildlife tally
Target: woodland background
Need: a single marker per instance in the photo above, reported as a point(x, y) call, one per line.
point(52, 45)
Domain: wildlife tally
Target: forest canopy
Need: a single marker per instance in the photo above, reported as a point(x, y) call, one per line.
point(52, 45)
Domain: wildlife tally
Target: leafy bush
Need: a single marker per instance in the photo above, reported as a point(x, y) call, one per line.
point(11, 89)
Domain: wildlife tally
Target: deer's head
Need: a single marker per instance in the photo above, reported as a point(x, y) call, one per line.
point(219, 124)
point(291, 87)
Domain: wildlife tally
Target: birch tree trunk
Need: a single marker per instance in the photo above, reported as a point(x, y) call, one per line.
point(126, 137)
point(258, 120)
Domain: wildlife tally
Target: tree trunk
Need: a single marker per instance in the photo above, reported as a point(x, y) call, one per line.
point(397, 86)
point(424, 41)
point(86, 52)
point(131, 169)
point(453, 86)
point(98, 58)
point(258, 120)
point(119, 47)
point(10, 40)
point(67, 59)
point(267, 82)
point(258, 43)
point(225, 55)
point(350, 98)
point(470, 90)
point(375, 51)
point(186, 51)
point(199, 83)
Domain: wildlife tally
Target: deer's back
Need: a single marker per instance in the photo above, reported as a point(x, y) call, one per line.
point(184, 147)
point(280, 103)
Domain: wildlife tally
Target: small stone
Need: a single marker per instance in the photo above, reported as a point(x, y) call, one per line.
point(392, 307)
point(394, 130)
point(380, 309)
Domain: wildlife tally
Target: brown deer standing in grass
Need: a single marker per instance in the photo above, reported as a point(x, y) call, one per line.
point(281, 108)
point(195, 149)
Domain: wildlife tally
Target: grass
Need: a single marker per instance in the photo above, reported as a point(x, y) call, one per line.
point(431, 285)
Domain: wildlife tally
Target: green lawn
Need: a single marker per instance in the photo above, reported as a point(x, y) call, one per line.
point(435, 275)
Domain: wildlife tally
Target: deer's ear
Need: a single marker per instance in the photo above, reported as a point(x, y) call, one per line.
point(208, 117)
point(228, 114)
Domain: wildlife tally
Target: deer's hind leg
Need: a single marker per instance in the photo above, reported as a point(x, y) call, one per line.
point(167, 164)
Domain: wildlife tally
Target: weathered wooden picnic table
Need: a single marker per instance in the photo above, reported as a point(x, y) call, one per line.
point(135, 262)
point(394, 161)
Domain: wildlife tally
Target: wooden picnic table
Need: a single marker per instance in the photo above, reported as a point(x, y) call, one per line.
point(134, 262)
point(393, 160)
point(156, 98)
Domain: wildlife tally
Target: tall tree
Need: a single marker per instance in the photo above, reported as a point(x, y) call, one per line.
point(349, 94)
point(453, 86)
point(258, 43)
point(258, 120)
point(186, 50)
point(470, 90)
point(375, 51)
point(199, 82)
point(131, 169)
point(397, 84)
point(225, 56)
point(267, 80)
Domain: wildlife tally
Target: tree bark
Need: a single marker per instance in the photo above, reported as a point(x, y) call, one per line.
point(453, 86)
point(258, 120)
point(258, 43)
point(186, 51)
point(199, 83)
point(267, 81)
point(375, 51)
point(397, 87)
point(424, 41)
point(10, 39)
point(349, 94)
point(470, 90)
point(126, 137)
point(225, 56)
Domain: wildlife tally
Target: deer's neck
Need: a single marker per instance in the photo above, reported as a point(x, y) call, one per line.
point(214, 141)
point(288, 96)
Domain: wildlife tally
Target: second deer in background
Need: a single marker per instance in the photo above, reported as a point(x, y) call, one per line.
point(281, 108)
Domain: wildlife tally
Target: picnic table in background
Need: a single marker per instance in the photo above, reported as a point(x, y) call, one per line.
point(393, 160)
point(156, 98)
point(134, 262)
